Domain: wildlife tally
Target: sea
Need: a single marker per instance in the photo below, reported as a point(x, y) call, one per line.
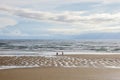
point(40, 53)
point(51, 47)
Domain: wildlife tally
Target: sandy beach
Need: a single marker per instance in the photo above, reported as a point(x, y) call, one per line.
point(60, 74)
point(89, 67)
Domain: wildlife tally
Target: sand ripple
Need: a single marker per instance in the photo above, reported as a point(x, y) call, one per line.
point(59, 61)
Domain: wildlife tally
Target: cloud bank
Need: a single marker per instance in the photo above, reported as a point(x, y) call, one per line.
point(81, 21)
point(58, 2)
point(74, 17)
point(4, 22)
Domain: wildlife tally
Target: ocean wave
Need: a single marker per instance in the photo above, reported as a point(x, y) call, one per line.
point(62, 45)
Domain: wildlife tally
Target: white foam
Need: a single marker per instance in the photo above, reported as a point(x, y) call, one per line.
point(25, 53)
point(65, 66)
point(28, 55)
point(115, 67)
point(13, 67)
point(70, 53)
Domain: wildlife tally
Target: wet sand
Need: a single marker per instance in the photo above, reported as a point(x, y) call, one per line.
point(60, 74)
point(94, 61)
point(62, 71)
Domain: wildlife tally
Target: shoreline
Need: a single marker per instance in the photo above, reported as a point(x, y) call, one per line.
point(60, 54)
point(47, 53)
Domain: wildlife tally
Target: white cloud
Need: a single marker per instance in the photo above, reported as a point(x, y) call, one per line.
point(66, 31)
point(73, 17)
point(81, 30)
point(17, 33)
point(44, 16)
point(51, 2)
point(101, 22)
point(4, 22)
point(110, 1)
point(12, 33)
point(8, 22)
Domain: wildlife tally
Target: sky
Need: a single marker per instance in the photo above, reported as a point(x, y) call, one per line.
point(59, 19)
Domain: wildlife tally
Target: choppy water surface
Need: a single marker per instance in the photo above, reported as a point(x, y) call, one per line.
point(60, 45)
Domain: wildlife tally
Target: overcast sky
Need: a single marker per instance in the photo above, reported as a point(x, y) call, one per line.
point(59, 19)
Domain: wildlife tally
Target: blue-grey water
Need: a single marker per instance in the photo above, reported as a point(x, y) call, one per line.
point(111, 46)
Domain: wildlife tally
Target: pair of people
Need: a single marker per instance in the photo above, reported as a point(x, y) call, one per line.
point(58, 54)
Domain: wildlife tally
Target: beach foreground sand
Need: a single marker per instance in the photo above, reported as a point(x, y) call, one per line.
point(67, 67)
point(60, 74)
